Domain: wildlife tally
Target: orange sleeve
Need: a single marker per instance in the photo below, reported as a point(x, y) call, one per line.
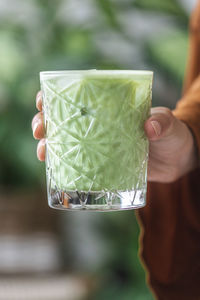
point(188, 110)
point(193, 60)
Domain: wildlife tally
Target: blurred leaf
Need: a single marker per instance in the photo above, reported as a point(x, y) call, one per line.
point(77, 43)
point(170, 53)
point(109, 11)
point(27, 91)
point(168, 7)
point(12, 57)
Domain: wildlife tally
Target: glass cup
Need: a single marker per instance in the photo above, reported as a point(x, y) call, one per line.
point(96, 148)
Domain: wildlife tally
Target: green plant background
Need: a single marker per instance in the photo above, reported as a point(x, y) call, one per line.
point(104, 34)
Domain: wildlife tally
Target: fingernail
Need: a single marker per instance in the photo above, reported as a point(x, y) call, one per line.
point(35, 126)
point(38, 97)
point(156, 126)
point(39, 94)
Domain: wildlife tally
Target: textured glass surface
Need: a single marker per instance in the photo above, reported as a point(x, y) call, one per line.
point(96, 149)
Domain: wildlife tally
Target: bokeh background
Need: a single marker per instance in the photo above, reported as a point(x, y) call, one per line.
point(47, 254)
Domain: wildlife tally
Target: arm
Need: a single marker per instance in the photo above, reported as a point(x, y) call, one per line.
point(188, 110)
point(169, 223)
point(169, 237)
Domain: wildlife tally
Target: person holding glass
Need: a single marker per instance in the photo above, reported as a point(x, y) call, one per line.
point(170, 222)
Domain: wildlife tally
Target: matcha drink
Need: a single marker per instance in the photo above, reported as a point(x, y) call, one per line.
point(96, 149)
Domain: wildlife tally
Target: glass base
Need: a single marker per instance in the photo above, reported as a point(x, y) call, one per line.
point(96, 201)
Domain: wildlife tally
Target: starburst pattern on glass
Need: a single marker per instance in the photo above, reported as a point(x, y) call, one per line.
point(96, 149)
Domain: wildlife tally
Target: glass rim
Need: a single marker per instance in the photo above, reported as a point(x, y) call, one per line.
point(94, 72)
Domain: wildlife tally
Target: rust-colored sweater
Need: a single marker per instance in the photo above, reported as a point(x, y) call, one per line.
point(170, 222)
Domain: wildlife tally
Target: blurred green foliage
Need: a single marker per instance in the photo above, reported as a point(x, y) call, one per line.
point(122, 276)
point(171, 51)
point(46, 35)
point(168, 7)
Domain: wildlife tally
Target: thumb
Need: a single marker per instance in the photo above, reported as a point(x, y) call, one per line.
point(160, 124)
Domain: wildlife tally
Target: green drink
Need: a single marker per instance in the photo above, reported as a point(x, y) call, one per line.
point(96, 148)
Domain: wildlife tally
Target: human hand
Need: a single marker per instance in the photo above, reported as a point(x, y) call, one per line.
point(172, 150)
point(38, 128)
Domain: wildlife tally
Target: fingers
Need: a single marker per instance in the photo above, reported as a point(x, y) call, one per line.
point(38, 126)
point(160, 123)
point(41, 150)
point(39, 100)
